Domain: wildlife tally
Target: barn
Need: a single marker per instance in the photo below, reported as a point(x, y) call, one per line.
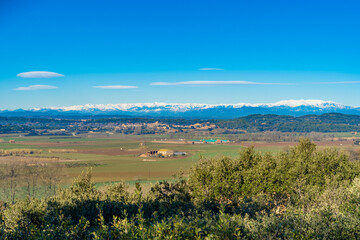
point(166, 152)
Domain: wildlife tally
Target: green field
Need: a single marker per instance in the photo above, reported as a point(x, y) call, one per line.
point(109, 163)
point(116, 157)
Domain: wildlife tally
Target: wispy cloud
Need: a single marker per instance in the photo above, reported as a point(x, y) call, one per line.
point(115, 87)
point(212, 83)
point(339, 82)
point(198, 83)
point(35, 87)
point(39, 74)
point(211, 69)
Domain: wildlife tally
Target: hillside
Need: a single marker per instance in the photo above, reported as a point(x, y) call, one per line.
point(329, 122)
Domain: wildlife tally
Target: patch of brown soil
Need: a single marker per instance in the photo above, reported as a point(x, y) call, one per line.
point(173, 142)
point(110, 151)
point(57, 144)
point(334, 143)
point(290, 144)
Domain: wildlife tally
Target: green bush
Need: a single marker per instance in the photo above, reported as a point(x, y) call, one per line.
point(288, 174)
point(302, 193)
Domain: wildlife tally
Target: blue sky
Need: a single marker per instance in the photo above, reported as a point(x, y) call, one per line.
point(178, 51)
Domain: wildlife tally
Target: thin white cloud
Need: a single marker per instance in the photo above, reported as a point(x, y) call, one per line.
point(211, 69)
point(115, 87)
point(35, 87)
point(211, 83)
point(39, 74)
point(340, 82)
point(198, 83)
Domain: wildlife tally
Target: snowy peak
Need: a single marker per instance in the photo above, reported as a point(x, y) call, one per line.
point(130, 107)
point(194, 110)
point(309, 102)
point(192, 106)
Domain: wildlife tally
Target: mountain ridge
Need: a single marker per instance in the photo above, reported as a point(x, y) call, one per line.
point(194, 110)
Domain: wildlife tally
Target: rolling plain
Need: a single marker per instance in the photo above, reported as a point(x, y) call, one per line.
point(117, 157)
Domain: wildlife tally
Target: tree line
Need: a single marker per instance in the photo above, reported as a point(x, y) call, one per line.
point(330, 122)
point(21, 178)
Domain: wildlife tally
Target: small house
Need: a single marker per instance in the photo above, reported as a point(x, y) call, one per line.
point(211, 141)
point(166, 152)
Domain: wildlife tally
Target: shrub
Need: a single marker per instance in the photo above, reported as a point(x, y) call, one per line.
point(288, 174)
point(302, 193)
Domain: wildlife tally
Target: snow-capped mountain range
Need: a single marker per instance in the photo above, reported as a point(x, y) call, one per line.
point(192, 110)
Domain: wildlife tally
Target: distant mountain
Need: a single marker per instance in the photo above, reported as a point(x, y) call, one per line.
point(191, 110)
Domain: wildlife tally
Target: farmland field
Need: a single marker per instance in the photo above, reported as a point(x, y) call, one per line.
point(116, 157)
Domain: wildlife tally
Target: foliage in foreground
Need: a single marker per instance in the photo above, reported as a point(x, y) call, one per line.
point(299, 194)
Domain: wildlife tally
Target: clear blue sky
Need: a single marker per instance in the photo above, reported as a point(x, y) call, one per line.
point(199, 51)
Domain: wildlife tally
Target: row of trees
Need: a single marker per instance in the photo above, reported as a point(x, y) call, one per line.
point(304, 124)
point(28, 178)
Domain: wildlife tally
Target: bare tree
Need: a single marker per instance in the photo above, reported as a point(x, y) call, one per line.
point(51, 177)
point(31, 171)
point(28, 177)
point(10, 177)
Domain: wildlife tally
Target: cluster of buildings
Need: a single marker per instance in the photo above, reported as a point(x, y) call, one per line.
point(210, 141)
point(172, 153)
point(163, 153)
